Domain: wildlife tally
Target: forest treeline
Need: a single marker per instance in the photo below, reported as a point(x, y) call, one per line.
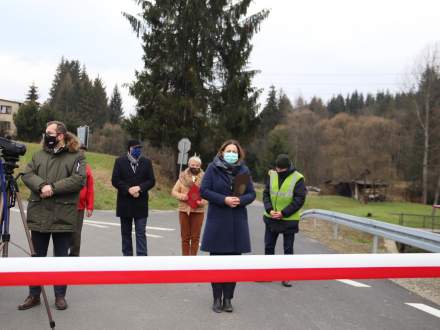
point(196, 82)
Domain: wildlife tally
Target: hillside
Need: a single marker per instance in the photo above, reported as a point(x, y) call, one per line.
point(384, 211)
point(105, 194)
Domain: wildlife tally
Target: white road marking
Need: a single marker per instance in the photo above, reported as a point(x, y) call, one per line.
point(161, 228)
point(354, 283)
point(163, 211)
point(150, 235)
point(426, 309)
point(118, 225)
point(106, 223)
point(94, 225)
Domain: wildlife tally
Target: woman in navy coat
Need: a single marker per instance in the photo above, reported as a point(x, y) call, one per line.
point(226, 228)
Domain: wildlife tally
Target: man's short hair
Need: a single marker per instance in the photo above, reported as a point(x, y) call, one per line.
point(283, 161)
point(132, 143)
point(61, 127)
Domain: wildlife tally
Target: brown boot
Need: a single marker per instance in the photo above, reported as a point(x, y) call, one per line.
point(29, 302)
point(60, 303)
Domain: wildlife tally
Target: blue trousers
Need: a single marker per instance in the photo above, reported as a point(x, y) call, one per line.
point(61, 244)
point(140, 225)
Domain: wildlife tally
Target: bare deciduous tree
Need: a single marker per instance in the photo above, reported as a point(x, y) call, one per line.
point(425, 76)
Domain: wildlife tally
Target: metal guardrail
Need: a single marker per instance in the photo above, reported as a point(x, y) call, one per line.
point(414, 237)
point(424, 219)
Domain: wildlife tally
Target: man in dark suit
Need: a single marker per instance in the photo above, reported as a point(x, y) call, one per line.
point(133, 176)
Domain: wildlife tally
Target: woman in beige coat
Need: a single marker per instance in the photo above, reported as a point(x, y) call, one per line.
point(191, 219)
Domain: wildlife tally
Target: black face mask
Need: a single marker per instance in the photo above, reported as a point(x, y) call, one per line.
point(50, 141)
point(194, 171)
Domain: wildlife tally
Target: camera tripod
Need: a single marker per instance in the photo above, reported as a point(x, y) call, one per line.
point(9, 195)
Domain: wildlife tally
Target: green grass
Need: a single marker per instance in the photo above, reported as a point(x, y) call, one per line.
point(378, 210)
point(382, 211)
point(160, 196)
point(162, 200)
point(105, 194)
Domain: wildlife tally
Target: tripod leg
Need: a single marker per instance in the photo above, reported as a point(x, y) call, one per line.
point(31, 247)
point(1, 223)
point(4, 223)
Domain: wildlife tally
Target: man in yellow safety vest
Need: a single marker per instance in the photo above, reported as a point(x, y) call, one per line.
point(283, 196)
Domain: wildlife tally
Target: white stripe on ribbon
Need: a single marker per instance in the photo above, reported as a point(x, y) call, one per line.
point(310, 261)
point(172, 269)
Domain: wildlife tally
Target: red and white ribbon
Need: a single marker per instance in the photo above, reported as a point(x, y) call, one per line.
point(137, 270)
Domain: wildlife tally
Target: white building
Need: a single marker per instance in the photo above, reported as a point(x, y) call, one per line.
point(7, 110)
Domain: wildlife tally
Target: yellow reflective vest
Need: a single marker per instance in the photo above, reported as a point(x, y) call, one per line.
point(282, 196)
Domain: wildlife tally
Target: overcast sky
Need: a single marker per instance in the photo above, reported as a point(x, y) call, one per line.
point(306, 48)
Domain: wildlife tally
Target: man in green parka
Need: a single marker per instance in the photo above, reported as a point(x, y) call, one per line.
point(55, 176)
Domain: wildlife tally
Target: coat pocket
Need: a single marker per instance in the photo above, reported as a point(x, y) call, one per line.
point(66, 215)
point(34, 211)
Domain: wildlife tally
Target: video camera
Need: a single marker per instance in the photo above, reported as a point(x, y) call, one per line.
point(12, 148)
point(10, 151)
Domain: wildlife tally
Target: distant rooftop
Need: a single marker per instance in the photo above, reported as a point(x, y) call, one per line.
point(9, 100)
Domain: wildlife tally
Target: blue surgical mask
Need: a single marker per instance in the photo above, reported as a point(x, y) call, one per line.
point(136, 152)
point(230, 157)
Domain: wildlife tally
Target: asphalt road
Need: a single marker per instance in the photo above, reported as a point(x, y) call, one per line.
point(378, 304)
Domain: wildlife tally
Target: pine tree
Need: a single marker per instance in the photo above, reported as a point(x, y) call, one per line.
point(32, 95)
point(86, 101)
point(270, 116)
point(284, 104)
point(316, 105)
point(76, 98)
point(45, 115)
point(336, 105)
point(194, 82)
point(26, 118)
point(370, 100)
point(100, 114)
point(276, 144)
point(173, 88)
point(236, 101)
point(115, 107)
point(66, 67)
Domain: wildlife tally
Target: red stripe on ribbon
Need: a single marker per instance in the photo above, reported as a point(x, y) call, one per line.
point(223, 275)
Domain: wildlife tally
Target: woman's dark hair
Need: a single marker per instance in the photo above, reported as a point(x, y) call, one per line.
point(241, 153)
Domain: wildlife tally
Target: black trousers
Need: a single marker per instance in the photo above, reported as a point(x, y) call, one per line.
point(61, 244)
point(226, 289)
point(270, 240)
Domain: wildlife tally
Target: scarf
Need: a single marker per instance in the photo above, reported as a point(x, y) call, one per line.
point(133, 162)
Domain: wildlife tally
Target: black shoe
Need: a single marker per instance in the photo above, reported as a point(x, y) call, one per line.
point(287, 284)
point(227, 307)
point(29, 302)
point(217, 305)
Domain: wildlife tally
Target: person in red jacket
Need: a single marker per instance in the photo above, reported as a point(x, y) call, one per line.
point(85, 206)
